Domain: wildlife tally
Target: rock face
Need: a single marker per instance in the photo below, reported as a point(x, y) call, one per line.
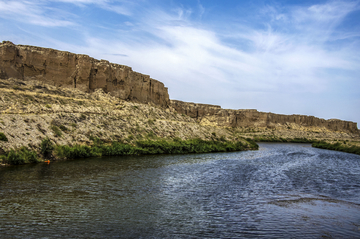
point(65, 69)
point(215, 115)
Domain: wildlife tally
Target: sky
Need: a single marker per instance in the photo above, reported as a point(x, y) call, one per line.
point(285, 57)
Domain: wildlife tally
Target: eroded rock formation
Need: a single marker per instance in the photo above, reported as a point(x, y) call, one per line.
point(65, 69)
point(215, 115)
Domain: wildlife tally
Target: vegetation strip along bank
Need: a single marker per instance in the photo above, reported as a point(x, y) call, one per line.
point(338, 147)
point(176, 146)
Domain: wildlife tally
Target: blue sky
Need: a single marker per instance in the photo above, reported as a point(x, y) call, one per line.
point(286, 57)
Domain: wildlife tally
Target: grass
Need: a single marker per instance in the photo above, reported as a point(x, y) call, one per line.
point(275, 139)
point(338, 147)
point(3, 137)
point(56, 130)
point(46, 147)
point(176, 146)
point(20, 156)
point(99, 148)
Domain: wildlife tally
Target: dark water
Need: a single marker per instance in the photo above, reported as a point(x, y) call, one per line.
point(280, 191)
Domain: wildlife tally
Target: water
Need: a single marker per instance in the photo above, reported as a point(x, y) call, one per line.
point(282, 190)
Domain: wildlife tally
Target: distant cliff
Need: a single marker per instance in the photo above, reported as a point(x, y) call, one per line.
point(65, 69)
point(215, 115)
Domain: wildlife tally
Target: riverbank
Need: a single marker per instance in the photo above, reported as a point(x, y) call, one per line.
point(177, 146)
point(31, 112)
point(343, 146)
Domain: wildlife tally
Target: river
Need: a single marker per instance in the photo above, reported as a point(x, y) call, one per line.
point(280, 191)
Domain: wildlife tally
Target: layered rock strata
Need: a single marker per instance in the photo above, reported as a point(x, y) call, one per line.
point(65, 69)
point(215, 115)
point(81, 72)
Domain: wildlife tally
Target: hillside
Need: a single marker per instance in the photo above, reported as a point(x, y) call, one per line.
point(72, 99)
point(31, 111)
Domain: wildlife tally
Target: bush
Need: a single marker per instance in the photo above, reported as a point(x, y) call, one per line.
point(21, 156)
point(63, 128)
point(56, 130)
point(77, 151)
point(46, 147)
point(3, 137)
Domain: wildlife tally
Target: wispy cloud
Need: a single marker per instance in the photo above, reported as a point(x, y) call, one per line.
point(33, 13)
point(41, 14)
point(292, 52)
point(119, 6)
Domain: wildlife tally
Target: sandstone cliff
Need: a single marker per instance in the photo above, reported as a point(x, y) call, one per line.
point(215, 115)
point(65, 69)
point(81, 72)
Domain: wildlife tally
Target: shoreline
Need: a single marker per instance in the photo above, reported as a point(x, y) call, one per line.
point(51, 152)
point(31, 111)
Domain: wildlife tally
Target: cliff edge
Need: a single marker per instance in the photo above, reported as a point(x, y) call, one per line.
point(65, 69)
point(215, 115)
point(81, 72)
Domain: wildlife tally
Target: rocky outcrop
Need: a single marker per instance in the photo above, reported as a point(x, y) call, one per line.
point(215, 115)
point(195, 110)
point(65, 69)
point(69, 70)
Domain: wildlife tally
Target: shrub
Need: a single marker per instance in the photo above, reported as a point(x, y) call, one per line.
point(56, 130)
point(63, 128)
point(21, 156)
point(3, 137)
point(82, 117)
point(46, 147)
point(77, 151)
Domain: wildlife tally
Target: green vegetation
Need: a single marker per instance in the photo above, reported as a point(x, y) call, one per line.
point(176, 146)
point(63, 128)
point(99, 148)
point(20, 156)
point(82, 117)
point(46, 147)
point(151, 121)
point(77, 151)
point(56, 130)
point(338, 147)
point(3, 137)
point(275, 139)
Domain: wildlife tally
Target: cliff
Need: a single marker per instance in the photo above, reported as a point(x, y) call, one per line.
point(81, 72)
point(215, 115)
point(65, 69)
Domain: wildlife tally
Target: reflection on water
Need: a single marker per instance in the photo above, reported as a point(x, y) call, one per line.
point(282, 190)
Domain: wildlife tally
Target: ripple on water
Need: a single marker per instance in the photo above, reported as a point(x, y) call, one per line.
point(282, 190)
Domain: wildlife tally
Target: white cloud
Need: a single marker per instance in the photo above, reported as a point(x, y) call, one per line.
point(294, 55)
point(31, 12)
point(119, 6)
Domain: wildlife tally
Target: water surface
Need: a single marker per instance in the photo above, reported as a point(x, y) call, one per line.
point(281, 190)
